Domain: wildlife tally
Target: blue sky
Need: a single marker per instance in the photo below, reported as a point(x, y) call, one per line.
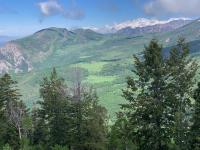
point(23, 17)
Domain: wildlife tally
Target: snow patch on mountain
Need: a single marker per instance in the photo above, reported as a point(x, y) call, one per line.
point(143, 22)
point(135, 23)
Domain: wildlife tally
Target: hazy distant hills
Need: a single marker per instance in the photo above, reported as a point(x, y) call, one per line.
point(105, 59)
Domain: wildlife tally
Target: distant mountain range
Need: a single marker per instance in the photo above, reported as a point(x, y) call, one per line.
point(142, 23)
point(21, 55)
point(165, 27)
point(105, 59)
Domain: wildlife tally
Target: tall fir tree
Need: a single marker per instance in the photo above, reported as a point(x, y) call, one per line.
point(145, 109)
point(118, 135)
point(94, 117)
point(159, 99)
point(51, 120)
point(68, 117)
point(9, 96)
point(182, 70)
point(89, 120)
point(89, 117)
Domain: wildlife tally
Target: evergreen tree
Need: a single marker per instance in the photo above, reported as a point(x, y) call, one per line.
point(118, 136)
point(89, 118)
point(52, 121)
point(89, 121)
point(159, 100)
point(68, 117)
point(94, 117)
point(182, 70)
point(9, 95)
point(195, 129)
point(39, 136)
point(146, 100)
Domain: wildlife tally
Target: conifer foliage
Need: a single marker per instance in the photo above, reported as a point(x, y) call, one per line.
point(159, 98)
point(69, 117)
point(146, 100)
point(12, 113)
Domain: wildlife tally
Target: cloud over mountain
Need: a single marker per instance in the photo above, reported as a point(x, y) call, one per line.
point(172, 7)
point(53, 7)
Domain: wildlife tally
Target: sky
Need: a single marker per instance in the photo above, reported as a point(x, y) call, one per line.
point(24, 17)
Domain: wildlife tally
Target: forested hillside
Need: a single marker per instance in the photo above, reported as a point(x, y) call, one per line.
point(160, 108)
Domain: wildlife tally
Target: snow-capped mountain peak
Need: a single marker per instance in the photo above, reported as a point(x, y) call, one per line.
point(143, 22)
point(135, 23)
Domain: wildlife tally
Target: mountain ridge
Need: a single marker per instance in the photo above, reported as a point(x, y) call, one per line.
point(41, 45)
point(170, 26)
point(137, 23)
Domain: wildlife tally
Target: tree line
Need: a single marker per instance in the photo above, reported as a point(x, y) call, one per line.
point(161, 111)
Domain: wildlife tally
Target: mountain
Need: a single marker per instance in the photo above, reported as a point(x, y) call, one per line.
point(40, 46)
point(141, 23)
point(11, 58)
point(87, 34)
point(190, 31)
point(164, 27)
point(105, 60)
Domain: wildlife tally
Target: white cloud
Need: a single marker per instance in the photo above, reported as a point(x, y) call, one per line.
point(53, 7)
point(50, 7)
point(173, 7)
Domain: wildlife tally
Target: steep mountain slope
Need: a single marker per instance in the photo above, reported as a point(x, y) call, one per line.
point(46, 44)
point(190, 31)
point(104, 60)
point(11, 58)
point(86, 34)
